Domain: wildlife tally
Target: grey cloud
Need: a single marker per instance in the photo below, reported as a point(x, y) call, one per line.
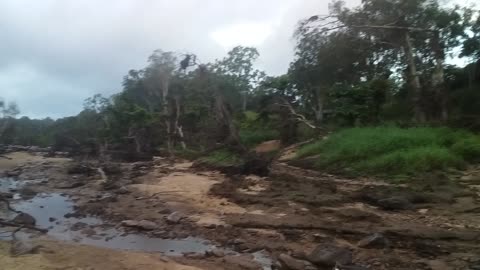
point(55, 53)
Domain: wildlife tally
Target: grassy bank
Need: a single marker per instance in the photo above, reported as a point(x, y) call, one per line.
point(393, 150)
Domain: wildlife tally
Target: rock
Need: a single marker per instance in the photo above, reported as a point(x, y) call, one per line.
point(194, 256)
point(28, 192)
point(12, 173)
point(358, 214)
point(217, 253)
point(242, 261)
point(147, 225)
point(395, 203)
point(79, 168)
point(122, 190)
point(330, 255)
point(376, 240)
point(165, 211)
point(174, 218)
point(78, 226)
point(289, 263)
point(70, 185)
point(6, 195)
point(24, 218)
point(142, 224)
point(51, 219)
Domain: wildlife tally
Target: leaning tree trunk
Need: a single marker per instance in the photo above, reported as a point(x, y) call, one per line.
point(418, 110)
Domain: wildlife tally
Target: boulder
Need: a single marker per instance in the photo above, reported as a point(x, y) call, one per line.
point(376, 240)
point(289, 263)
point(330, 255)
point(25, 219)
point(395, 203)
point(174, 218)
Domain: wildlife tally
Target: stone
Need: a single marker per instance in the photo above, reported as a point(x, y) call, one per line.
point(395, 203)
point(242, 261)
point(142, 224)
point(70, 185)
point(6, 195)
point(217, 252)
point(122, 190)
point(12, 173)
point(289, 263)
point(174, 218)
point(330, 255)
point(358, 214)
point(78, 226)
point(25, 219)
point(194, 256)
point(28, 192)
point(51, 219)
point(376, 240)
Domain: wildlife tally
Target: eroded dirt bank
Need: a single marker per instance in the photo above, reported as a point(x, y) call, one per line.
point(298, 218)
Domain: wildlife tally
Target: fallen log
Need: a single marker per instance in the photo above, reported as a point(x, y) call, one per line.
point(13, 224)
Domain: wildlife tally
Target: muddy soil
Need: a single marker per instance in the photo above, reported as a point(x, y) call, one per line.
point(143, 212)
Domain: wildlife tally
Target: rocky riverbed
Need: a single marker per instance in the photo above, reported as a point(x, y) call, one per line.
point(168, 214)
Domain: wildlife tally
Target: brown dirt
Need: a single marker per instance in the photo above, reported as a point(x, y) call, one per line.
point(291, 211)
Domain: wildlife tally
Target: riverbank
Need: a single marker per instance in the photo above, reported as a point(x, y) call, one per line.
point(207, 220)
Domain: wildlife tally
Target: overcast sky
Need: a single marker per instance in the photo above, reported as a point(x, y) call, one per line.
point(56, 53)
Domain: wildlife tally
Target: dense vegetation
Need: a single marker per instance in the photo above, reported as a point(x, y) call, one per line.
point(394, 150)
point(384, 62)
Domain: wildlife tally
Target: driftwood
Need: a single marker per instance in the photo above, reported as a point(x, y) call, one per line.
point(13, 224)
point(5, 157)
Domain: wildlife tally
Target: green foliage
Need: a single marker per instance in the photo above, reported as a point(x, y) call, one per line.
point(394, 150)
point(254, 130)
point(223, 157)
point(361, 102)
point(253, 137)
point(409, 161)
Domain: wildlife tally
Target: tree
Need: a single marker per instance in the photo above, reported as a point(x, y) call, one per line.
point(8, 111)
point(238, 68)
point(421, 32)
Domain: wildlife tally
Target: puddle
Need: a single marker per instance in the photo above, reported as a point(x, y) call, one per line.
point(49, 210)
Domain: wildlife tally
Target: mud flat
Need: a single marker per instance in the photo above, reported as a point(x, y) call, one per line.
point(175, 216)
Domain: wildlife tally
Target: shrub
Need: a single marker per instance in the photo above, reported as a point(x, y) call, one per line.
point(254, 137)
point(394, 150)
point(222, 157)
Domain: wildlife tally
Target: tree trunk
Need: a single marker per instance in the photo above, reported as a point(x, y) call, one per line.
point(438, 77)
point(418, 110)
point(318, 110)
point(224, 116)
point(178, 129)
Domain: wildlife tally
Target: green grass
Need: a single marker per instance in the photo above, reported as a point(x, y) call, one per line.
point(394, 150)
point(223, 157)
point(253, 137)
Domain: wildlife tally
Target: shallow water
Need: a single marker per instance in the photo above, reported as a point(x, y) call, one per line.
point(49, 210)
